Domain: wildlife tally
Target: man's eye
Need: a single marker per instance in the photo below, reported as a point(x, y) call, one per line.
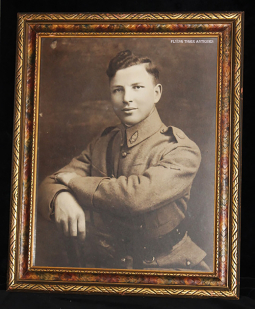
point(138, 87)
point(117, 90)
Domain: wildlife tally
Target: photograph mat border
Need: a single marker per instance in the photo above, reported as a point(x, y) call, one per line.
point(39, 36)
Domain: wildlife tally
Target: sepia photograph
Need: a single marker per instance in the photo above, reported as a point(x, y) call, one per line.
point(126, 153)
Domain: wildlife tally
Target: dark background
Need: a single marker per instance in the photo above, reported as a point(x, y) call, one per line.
point(8, 49)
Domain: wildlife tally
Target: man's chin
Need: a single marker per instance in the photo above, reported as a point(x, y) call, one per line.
point(128, 122)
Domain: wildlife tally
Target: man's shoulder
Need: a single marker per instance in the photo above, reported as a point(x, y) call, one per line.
point(102, 137)
point(108, 130)
point(180, 137)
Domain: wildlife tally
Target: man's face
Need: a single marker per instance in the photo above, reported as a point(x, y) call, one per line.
point(134, 94)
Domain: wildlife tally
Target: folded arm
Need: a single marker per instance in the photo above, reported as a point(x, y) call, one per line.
point(51, 187)
point(157, 186)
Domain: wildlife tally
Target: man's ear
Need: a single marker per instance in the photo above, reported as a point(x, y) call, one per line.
point(157, 93)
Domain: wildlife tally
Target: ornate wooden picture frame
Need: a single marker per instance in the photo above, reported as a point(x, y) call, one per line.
point(62, 102)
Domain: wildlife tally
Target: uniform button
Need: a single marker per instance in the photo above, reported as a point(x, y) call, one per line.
point(124, 154)
point(144, 248)
point(123, 260)
point(141, 226)
point(188, 263)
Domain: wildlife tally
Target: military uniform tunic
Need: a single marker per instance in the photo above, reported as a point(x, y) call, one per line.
point(134, 184)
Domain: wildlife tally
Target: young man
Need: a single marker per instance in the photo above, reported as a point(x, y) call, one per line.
point(126, 195)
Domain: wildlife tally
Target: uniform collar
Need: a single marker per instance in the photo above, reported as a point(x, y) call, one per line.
point(142, 130)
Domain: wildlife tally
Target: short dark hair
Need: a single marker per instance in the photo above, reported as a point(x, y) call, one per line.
point(125, 59)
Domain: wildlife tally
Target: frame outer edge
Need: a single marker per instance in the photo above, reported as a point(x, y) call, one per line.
point(236, 156)
point(235, 184)
point(16, 152)
point(124, 291)
point(129, 16)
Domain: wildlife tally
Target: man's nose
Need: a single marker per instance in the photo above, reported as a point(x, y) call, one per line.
point(127, 96)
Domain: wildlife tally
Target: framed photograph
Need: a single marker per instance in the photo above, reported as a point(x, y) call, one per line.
point(126, 154)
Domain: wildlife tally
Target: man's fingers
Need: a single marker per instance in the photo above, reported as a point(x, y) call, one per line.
point(65, 228)
point(69, 215)
point(81, 227)
point(73, 227)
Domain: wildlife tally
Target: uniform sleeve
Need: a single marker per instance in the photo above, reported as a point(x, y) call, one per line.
point(48, 189)
point(157, 186)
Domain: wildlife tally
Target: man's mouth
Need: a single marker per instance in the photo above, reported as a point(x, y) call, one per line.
point(128, 109)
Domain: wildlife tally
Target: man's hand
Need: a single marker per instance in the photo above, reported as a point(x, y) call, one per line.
point(64, 178)
point(69, 215)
